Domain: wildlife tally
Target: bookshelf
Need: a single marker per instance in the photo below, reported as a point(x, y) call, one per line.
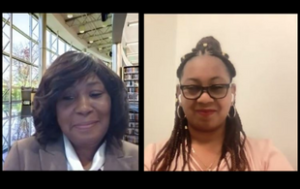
point(130, 76)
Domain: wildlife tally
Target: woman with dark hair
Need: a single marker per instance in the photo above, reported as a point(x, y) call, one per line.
point(80, 115)
point(208, 133)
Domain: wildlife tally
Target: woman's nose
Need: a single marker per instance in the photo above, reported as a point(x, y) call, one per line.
point(84, 106)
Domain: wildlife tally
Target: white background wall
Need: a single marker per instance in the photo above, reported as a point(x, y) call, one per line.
point(263, 49)
point(159, 82)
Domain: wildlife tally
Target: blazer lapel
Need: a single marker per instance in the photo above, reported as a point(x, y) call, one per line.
point(115, 160)
point(53, 157)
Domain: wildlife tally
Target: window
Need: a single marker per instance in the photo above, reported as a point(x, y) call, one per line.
point(48, 60)
point(21, 46)
point(6, 37)
point(35, 28)
point(21, 21)
point(35, 54)
point(61, 47)
point(21, 74)
point(48, 39)
point(16, 94)
point(6, 15)
point(35, 77)
point(54, 42)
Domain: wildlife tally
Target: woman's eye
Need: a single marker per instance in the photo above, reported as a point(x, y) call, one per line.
point(96, 94)
point(192, 88)
point(217, 87)
point(68, 98)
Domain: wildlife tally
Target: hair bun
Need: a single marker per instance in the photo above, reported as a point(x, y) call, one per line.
point(210, 43)
point(226, 55)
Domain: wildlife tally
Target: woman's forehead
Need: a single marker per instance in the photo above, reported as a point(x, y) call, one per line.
point(90, 78)
point(205, 68)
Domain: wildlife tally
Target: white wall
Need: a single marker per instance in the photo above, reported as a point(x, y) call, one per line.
point(159, 69)
point(263, 49)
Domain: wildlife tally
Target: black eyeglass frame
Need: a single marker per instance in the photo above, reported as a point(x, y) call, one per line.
point(205, 89)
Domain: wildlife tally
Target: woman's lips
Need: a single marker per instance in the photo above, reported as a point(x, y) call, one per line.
point(205, 113)
point(85, 125)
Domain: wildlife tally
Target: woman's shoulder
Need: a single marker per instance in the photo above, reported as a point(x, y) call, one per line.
point(130, 149)
point(21, 150)
point(28, 144)
point(259, 145)
point(155, 147)
point(263, 152)
point(150, 153)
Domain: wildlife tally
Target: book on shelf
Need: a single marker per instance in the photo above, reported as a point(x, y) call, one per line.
point(130, 76)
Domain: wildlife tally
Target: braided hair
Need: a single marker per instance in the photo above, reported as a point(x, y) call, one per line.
point(180, 138)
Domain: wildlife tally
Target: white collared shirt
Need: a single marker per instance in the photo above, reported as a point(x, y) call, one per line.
point(73, 162)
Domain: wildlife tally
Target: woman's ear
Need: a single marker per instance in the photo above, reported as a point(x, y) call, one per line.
point(178, 93)
point(177, 90)
point(233, 89)
point(233, 93)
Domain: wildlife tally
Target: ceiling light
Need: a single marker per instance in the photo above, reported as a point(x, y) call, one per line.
point(91, 40)
point(81, 29)
point(70, 15)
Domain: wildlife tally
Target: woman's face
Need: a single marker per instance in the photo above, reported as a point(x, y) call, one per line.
point(206, 71)
point(83, 111)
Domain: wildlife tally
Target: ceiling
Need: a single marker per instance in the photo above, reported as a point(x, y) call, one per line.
point(92, 29)
point(97, 35)
point(131, 37)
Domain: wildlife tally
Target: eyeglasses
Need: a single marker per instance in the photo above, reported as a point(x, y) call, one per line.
point(193, 92)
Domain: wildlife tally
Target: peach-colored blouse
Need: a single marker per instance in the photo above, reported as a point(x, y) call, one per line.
point(261, 154)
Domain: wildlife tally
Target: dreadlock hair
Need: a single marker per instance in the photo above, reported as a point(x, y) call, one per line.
point(233, 142)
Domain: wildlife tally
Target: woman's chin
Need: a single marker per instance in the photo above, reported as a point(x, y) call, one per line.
point(206, 127)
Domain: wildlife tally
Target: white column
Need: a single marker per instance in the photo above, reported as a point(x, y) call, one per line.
point(116, 58)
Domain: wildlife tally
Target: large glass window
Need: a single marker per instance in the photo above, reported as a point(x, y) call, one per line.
point(68, 47)
point(35, 29)
point(21, 21)
point(5, 15)
point(48, 58)
point(16, 94)
point(21, 75)
point(20, 46)
point(61, 47)
point(24, 52)
point(35, 54)
point(35, 77)
point(5, 37)
point(48, 34)
point(54, 42)
point(54, 57)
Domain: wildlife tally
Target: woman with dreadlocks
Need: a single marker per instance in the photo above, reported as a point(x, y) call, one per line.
point(208, 133)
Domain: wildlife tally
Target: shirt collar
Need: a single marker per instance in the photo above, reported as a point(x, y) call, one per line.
point(73, 161)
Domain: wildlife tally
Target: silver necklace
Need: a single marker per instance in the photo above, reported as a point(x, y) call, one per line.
point(208, 168)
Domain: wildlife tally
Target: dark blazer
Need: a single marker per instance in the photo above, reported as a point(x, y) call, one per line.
point(27, 154)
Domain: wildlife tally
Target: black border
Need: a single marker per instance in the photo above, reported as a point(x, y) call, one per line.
point(229, 180)
point(141, 92)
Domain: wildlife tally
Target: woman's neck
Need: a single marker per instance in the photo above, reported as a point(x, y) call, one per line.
point(208, 139)
point(86, 154)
